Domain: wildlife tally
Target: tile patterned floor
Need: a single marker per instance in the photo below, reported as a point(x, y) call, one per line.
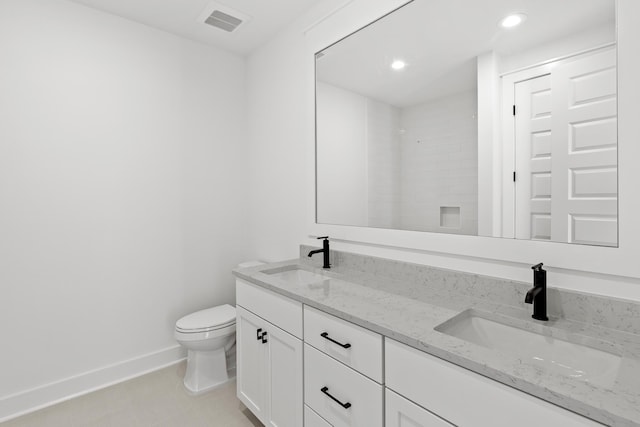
point(155, 399)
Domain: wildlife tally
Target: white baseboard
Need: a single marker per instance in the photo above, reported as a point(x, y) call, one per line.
point(21, 403)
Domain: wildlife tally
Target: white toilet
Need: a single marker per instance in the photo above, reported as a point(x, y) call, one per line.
point(208, 335)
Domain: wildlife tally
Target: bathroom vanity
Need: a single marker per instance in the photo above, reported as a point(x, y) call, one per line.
point(375, 342)
point(269, 343)
point(395, 171)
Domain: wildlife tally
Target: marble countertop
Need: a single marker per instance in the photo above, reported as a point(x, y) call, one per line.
point(371, 302)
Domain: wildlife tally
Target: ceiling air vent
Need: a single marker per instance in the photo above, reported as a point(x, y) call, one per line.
point(223, 17)
point(223, 21)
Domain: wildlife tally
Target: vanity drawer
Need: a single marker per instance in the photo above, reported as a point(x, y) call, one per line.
point(277, 309)
point(311, 419)
point(444, 388)
point(325, 378)
point(331, 335)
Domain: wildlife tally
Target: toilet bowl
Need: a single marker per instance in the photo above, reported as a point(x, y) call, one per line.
point(208, 335)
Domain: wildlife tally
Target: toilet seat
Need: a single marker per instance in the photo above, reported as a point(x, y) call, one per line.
point(191, 336)
point(208, 320)
point(200, 330)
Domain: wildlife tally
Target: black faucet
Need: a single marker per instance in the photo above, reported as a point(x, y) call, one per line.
point(324, 250)
point(538, 294)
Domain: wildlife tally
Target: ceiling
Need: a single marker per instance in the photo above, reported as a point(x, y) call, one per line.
point(181, 17)
point(440, 40)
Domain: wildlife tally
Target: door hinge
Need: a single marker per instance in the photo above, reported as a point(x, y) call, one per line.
point(514, 110)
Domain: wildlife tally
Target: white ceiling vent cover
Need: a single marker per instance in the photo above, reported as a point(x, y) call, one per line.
point(223, 17)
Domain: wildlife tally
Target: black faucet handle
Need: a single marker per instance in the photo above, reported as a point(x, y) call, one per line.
point(324, 237)
point(537, 267)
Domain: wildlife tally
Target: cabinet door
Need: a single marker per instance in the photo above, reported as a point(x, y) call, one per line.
point(311, 419)
point(284, 382)
point(251, 362)
point(445, 388)
point(402, 413)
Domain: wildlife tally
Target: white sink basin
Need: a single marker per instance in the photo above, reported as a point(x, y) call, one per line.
point(296, 276)
point(554, 355)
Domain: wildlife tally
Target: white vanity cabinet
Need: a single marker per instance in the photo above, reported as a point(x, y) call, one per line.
point(357, 347)
point(400, 412)
point(465, 398)
point(354, 377)
point(340, 395)
point(343, 372)
point(269, 355)
point(311, 419)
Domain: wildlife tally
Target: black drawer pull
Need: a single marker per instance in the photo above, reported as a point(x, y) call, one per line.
point(325, 335)
point(325, 390)
point(258, 334)
point(264, 337)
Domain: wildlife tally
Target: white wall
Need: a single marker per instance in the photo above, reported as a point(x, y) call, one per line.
point(276, 162)
point(569, 45)
point(122, 196)
point(358, 158)
point(489, 146)
point(287, 71)
point(342, 184)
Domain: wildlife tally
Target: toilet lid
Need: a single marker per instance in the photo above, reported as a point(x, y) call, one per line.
point(211, 318)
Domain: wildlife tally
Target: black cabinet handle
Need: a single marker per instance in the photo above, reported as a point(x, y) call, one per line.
point(325, 335)
point(258, 334)
point(264, 337)
point(325, 390)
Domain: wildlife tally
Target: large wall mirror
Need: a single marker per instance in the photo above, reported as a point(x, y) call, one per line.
point(490, 118)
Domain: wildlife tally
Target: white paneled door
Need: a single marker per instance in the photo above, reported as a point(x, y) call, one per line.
point(585, 127)
point(566, 152)
point(533, 158)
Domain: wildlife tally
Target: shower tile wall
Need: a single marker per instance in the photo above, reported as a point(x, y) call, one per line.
point(394, 167)
point(439, 163)
point(384, 168)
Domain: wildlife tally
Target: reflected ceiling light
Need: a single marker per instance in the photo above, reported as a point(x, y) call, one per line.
point(398, 64)
point(513, 20)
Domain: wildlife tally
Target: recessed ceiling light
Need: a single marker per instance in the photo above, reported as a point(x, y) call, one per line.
point(513, 20)
point(398, 64)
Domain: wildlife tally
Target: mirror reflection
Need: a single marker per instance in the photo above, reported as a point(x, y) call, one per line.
point(493, 118)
